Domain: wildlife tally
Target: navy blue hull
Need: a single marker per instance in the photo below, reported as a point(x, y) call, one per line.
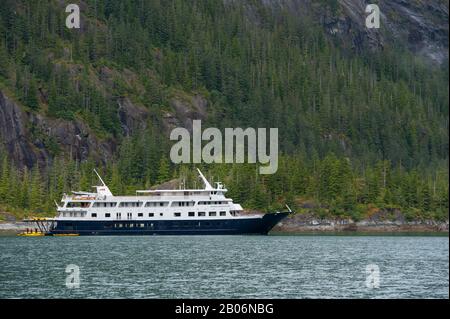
point(232, 226)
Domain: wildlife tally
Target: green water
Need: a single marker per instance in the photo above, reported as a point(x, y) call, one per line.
point(225, 267)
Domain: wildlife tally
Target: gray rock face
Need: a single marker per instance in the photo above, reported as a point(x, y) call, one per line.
point(26, 136)
point(73, 138)
point(29, 137)
point(185, 110)
point(14, 134)
point(310, 222)
point(421, 26)
point(133, 117)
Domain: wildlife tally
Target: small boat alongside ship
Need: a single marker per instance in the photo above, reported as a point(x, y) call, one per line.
point(205, 211)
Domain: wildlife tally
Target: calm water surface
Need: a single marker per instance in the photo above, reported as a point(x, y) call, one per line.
point(225, 267)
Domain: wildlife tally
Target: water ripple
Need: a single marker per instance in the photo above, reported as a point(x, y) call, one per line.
point(225, 267)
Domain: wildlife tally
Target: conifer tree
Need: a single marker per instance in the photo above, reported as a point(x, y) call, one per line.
point(36, 190)
point(163, 171)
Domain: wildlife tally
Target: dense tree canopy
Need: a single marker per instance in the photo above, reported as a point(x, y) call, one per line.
point(355, 129)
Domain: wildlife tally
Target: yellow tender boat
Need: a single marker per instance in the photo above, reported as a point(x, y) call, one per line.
point(31, 234)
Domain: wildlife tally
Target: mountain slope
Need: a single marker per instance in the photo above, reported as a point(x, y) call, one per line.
point(110, 92)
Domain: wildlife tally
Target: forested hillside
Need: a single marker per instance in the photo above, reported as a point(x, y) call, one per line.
point(361, 127)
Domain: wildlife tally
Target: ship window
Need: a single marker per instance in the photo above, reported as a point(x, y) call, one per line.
point(151, 214)
point(155, 204)
point(130, 204)
point(118, 215)
point(182, 204)
point(106, 204)
point(107, 215)
point(223, 213)
point(212, 214)
point(140, 215)
point(177, 214)
point(201, 214)
point(94, 215)
point(191, 214)
point(160, 214)
point(129, 215)
point(77, 204)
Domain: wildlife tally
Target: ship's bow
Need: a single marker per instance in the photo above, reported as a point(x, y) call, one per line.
point(270, 220)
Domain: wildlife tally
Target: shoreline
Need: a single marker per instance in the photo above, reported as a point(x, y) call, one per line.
point(291, 226)
point(309, 223)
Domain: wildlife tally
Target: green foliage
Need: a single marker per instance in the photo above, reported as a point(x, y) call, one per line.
point(4, 61)
point(355, 129)
point(163, 174)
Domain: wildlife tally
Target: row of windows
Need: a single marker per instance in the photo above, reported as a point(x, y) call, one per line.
point(176, 224)
point(211, 203)
point(141, 225)
point(139, 204)
point(159, 225)
point(78, 204)
point(105, 204)
point(74, 214)
point(177, 214)
point(183, 204)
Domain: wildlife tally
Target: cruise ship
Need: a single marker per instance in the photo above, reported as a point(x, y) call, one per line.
point(205, 211)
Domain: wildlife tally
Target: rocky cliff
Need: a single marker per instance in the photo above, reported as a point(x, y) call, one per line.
point(32, 137)
point(420, 26)
point(312, 223)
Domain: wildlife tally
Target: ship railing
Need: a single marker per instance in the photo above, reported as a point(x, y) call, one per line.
point(44, 224)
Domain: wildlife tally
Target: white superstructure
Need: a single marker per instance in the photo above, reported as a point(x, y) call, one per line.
point(181, 204)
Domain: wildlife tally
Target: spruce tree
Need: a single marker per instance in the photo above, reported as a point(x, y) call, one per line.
point(163, 171)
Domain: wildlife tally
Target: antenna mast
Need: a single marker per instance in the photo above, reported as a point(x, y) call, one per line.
point(98, 175)
point(205, 181)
